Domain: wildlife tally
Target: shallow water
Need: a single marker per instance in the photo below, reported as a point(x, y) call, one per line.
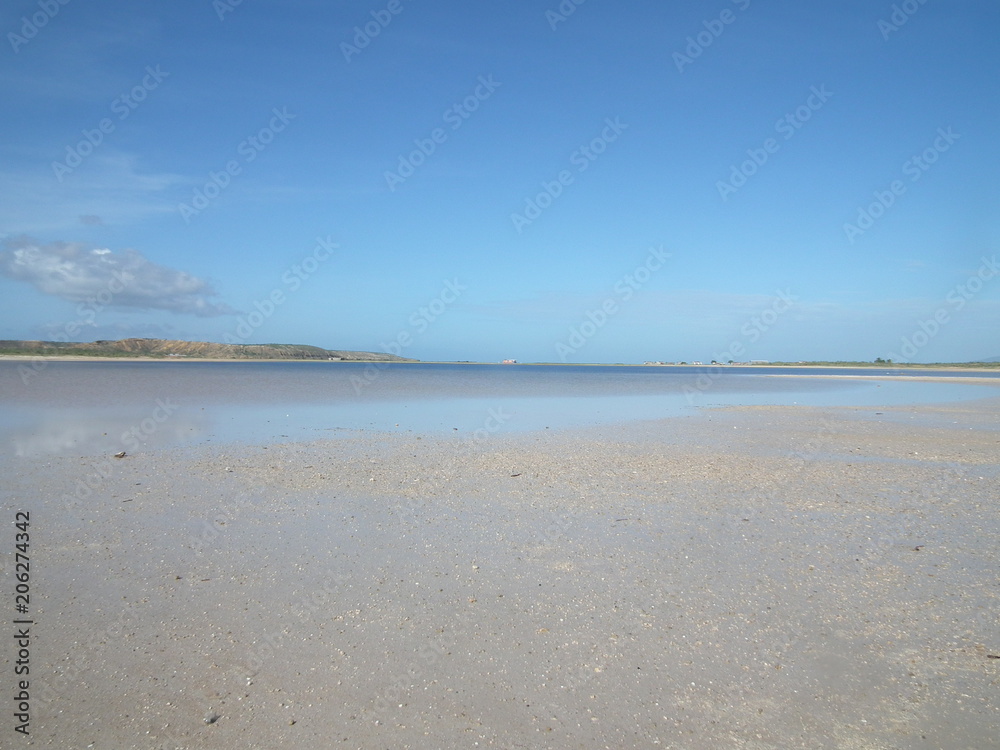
point(93, 407)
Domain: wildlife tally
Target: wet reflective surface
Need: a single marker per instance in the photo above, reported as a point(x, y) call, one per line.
point(93, 407)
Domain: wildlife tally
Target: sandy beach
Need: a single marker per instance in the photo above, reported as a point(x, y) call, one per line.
point(511, 376)
point(761, 577)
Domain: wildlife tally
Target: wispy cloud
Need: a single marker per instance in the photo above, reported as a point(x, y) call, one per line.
point(128, 279)
point(110, 185)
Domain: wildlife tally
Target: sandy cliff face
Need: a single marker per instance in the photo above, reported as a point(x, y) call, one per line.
point(194, 349)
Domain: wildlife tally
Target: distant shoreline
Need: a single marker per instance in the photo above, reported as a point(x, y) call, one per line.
point(92, 358)
point(984, 367)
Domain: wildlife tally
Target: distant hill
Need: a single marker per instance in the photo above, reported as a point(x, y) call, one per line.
point(163, 348)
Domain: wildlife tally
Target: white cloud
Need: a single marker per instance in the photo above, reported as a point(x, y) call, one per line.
point(73, 272)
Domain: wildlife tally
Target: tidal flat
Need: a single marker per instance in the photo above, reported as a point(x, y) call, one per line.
point(748, 576)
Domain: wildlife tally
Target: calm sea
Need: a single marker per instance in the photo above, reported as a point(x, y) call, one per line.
point(93, 407)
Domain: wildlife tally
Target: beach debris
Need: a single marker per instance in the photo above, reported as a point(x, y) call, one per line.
point(516, 475)
point(121, 454)
point(918, 548)
point(212, 718)
point(993, 656)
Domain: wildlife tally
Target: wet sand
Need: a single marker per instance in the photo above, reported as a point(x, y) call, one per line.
point(765, 577)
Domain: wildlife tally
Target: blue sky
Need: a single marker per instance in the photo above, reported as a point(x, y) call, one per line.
point(623, 182)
